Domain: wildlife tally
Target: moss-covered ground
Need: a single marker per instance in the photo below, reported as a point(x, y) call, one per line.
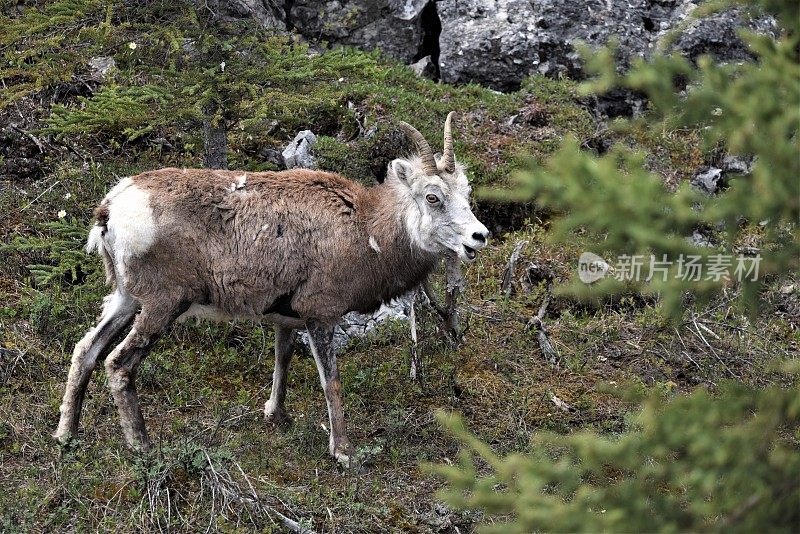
point(216, 465)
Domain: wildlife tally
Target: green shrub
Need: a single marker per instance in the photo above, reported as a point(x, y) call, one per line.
point(120, 113)
point(702, 462)
point(61, 248)
point(37, 47)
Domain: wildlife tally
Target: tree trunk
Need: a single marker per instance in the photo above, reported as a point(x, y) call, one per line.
point(215, 140)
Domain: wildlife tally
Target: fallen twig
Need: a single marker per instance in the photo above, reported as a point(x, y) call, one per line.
point(221, 482)
point(549, 351)
point(416, 372)
point(30, 136)
point(712, 349)
point(40, 195)
point(455, 286)
point(507, 286)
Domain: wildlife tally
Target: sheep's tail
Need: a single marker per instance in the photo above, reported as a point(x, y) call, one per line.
point(96, 243)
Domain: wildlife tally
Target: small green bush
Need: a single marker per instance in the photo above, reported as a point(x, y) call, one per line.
point(702, 462)
point(62, 249)
point(121, 113)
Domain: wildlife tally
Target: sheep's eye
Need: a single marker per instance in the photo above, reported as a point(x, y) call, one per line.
point(431, 198)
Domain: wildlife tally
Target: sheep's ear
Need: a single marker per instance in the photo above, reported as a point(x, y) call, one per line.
point(402, 169)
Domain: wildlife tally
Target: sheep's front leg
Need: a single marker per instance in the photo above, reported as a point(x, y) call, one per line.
point(321, 337)
point(275, 408)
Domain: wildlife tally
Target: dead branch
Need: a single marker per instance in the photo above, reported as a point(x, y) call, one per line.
point(417, 370)
point(30, 136)
point(510, 271)
point(447, 314)
point(230, 492)
point(431, 296)
point(455, 286)
point(549, 351)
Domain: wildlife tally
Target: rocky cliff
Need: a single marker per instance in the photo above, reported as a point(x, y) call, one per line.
point(497, 43)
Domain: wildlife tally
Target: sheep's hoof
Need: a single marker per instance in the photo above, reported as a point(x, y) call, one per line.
point(345, 460)
point(277, 418)
point(63, 437)
point(345, 455)
point(140, 447)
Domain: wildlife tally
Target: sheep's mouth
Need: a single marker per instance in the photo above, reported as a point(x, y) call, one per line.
point(470, 252)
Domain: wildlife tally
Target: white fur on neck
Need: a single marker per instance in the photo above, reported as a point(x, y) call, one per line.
point(411, 216)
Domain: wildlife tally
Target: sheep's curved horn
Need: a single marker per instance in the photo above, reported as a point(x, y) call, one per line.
point(449, 157)
point(425, 152)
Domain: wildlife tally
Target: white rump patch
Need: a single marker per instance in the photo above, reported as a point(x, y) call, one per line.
point(374, 244)
point(131, 225)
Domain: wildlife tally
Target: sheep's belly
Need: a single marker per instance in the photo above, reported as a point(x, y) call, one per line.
point(212, 313)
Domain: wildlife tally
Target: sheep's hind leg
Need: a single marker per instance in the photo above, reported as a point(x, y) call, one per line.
point(123, 363)
point(275, 408)
point(118, 312)
point(321, 337)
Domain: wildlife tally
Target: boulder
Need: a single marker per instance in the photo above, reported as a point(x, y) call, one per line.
point(269, 14)
point(298, 152)
point(716, 35)
point(356, 324)
point(394, 26)
point(709, 181)
point(499, 43)
point(273, 156)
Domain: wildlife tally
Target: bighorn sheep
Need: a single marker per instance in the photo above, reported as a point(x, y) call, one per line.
point(296, 248)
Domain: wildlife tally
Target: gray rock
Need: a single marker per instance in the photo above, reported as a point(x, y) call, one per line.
point(713, 179)
point(716, 35)
point(394, 26)
point(269, 14)
point(698, 239)
point(101, 66)
point(499, 43)
point(708, 181)
point(357, 325)
point(272, 155)
point(298, 152)
point(424, 68)
point(737, 165)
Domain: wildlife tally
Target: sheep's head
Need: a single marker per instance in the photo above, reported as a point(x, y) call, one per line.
point(437, 215)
